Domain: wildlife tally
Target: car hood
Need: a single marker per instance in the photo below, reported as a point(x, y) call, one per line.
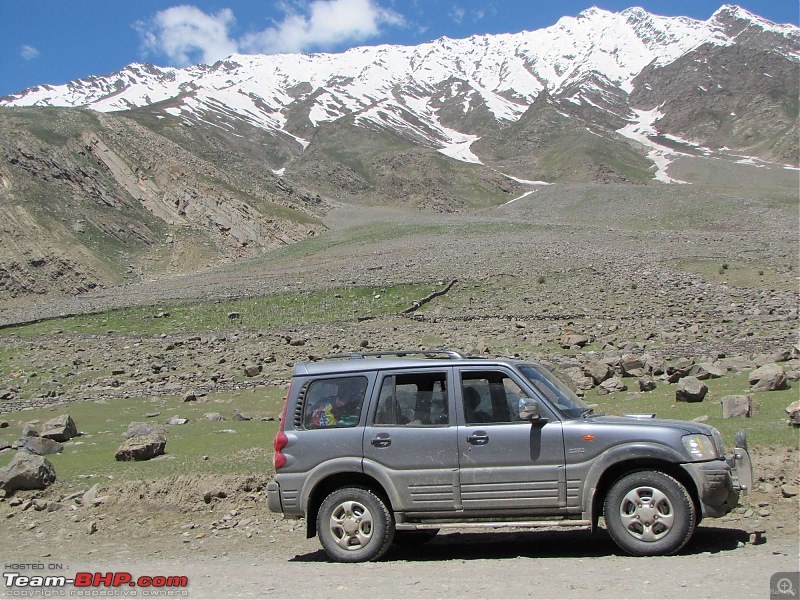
point(687, 426)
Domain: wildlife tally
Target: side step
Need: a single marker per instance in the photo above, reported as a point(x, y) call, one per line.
point(492, 525)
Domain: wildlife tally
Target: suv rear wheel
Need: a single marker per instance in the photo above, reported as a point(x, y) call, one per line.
point(354, 525)
point(649, 513)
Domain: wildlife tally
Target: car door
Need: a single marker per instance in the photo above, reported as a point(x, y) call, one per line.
point(410, 439)
point(506, 463)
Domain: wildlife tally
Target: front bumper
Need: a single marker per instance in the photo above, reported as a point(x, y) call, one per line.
point(720, 482)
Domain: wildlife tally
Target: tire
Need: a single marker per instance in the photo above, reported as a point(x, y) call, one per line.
point(649, 513)
point(414, 537)
point(354, 525)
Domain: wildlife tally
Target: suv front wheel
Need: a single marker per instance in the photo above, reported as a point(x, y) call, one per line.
point(354, 525)
point(649, 513)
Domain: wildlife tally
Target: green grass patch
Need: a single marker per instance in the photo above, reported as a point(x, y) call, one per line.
point(90, 457)
point(767, 428)
point(285, 309)
point(740, 274)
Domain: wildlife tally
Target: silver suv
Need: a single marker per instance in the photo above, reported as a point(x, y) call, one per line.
point(377, 448)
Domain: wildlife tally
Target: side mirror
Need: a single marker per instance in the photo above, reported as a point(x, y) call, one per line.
point(529, 409)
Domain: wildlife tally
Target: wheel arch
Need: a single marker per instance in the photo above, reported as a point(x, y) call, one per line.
point(333, 482)
point(620, 469)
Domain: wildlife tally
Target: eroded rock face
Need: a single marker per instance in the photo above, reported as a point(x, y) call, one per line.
point(141, 447)
point(27, 471)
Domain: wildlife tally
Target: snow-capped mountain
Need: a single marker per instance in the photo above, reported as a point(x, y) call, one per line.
point(448, 93)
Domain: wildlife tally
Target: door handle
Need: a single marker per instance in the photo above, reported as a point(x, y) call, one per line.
point(478, 439)
point(382, 440)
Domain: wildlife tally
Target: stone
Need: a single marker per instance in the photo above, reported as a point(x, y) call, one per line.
point(737, 406)
point(646, 384)
point(598, 371)
point(176, 420)
point(3, 424)
point(768, 378)
point(141, 448)
point(240, 416)
point(4, 445)
point(691, 389)
point(214, 416)
point(29, 430)
point(632, 366)
point(789, 491)
point(39, 445)
point(27, 471)
point(701, 419)
point(144, 429)
point(252, 370)
point(60, 429)
point(793, 410)
point(190, 397)
point(569, 340)
point(609, 386)
point(705, 371)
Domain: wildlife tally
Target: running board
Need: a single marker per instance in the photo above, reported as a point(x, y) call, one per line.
point(492, 525)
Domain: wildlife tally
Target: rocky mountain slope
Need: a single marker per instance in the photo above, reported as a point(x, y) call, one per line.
point(173, 170)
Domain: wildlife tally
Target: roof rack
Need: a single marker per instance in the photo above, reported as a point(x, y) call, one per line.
point(399, 353)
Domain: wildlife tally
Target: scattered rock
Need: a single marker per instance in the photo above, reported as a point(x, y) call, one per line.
point(39, 445)
point(737, 406)
point(253, 370)
point(27, 471)
point(144, 429)
point(240, 416)
point(574, 340)
point(214, 416)
point(190, 397)
point(768, 378)
point(705, 371)
point(29, 430)
point(646, 384)
point(793, 410)
point(598, 371)
point(141, 448)
point(60, 429)
point(3, 424)
point(609, 386)
point(789, 490)
point(176, 420)
point(691, 389)
point(4, 445)
point(701, 419)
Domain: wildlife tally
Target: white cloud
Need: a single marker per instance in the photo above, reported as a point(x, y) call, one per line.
point(457, 14)
point(28, 52)
point(327, 24)
point(185, 34)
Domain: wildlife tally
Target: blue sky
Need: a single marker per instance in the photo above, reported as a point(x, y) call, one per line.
point(56, 41)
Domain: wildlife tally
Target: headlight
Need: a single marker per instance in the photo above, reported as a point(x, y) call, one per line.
point(700, 447)
point(718, 442)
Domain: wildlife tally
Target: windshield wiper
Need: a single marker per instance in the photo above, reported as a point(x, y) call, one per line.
point(589, 412)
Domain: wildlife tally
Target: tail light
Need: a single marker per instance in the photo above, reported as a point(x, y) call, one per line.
point(279, 459)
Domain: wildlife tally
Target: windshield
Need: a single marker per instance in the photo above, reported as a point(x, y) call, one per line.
point(549, 386)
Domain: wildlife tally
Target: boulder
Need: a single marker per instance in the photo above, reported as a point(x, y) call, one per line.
point(143, 429)
point(646, 384)
point(769, 378)
point(240, 416)
point(4, 445)
point(39, 445)
point(632, 366)
point(706, 371)
point(29, 430)
point(27, 471)
point(176, 420)
point(679, 370)
point(609, 386)
point(737, 406)
point(252, 370)
point(793, 410)
point(598, 371)
point(691, 389)
point(3, 424)
point(141, 447)
point(569, 340)
point(60, 429)
point(214, 416)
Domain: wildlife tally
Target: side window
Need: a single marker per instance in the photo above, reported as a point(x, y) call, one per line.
point(334, 402)
point(413, 399)
point(490, 397)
